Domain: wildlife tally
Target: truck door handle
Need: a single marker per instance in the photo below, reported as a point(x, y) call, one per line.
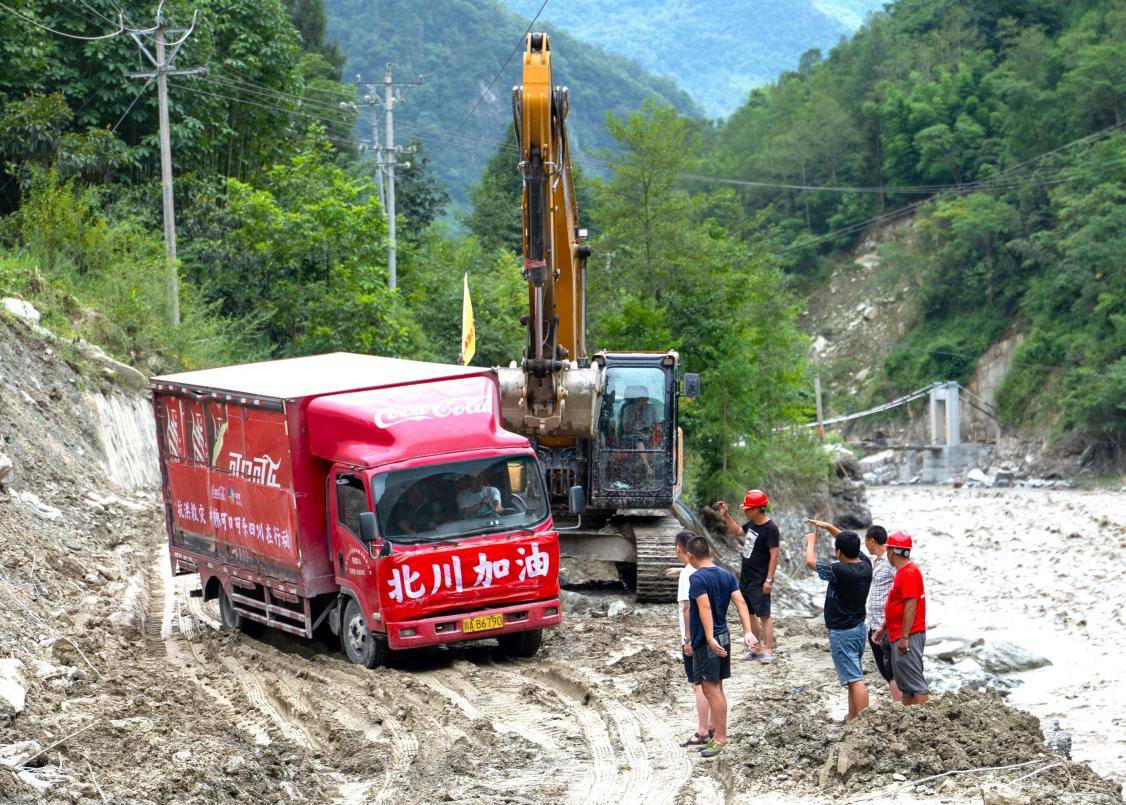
point(340, 561)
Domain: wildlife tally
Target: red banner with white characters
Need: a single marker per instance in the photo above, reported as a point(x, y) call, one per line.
point(414, 584)
point(229, 476)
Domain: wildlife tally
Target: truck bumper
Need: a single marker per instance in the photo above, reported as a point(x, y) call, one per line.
point(449, 628)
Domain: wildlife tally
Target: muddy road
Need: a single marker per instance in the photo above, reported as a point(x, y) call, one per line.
point(116, 685)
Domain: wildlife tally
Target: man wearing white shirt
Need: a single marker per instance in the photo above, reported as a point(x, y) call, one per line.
point(475, 498)
point(704, 728)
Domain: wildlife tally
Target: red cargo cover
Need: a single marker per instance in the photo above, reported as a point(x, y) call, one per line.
point(229, 483)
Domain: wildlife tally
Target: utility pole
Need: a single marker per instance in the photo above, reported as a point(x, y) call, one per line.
point(390, 100)
point(162, 68)
point(817, 395)
point(372, 100)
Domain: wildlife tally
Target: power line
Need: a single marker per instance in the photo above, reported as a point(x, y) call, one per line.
point(489, 88)
point(136, 98)
point(120, 29)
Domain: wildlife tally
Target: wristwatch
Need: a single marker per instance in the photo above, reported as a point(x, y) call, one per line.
point(770, 581)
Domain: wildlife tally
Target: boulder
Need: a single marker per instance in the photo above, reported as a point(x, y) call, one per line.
point(21, 309)
point(1003, 657)
point(6, 472)
point(976, 477)
point(617, 607)
point(575, 603)
point(947, 648)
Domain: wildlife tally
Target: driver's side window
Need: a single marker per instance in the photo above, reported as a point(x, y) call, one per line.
point(351, 500)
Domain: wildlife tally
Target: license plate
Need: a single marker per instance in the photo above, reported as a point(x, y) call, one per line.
point(482, 623)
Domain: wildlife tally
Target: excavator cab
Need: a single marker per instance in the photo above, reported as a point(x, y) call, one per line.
point(636, 451)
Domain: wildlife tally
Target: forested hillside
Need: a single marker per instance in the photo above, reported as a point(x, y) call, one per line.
point(718, 51)
point(997, 129)
point(458, 47)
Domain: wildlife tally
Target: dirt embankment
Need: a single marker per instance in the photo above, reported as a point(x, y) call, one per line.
point(116, 686)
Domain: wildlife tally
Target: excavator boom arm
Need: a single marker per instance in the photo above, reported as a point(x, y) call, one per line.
point(554, 252)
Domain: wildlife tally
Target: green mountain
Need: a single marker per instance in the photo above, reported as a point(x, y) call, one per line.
point(458, 47)
point(995, 130)
point(718, 51)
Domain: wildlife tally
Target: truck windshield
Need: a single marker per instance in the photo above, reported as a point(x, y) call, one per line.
point(441, 501)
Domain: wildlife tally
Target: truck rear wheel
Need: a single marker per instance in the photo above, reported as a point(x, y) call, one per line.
point(361, 645)
point(520, 644)
point(232, 620)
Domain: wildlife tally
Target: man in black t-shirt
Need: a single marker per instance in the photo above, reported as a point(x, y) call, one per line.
point(756, 575)
point(849, 579)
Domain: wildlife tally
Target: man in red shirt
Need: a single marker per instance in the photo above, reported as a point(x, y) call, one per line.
point(905, 621)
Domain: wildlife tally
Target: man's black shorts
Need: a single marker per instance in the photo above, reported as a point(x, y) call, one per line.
point(707, 666)
point(758, 603)
point(881, 654)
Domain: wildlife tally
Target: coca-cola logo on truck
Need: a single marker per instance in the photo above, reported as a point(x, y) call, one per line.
point(393, 415)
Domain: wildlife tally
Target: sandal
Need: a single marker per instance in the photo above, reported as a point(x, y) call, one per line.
point(696, 740)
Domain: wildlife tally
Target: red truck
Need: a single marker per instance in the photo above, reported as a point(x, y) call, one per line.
point(381, 498)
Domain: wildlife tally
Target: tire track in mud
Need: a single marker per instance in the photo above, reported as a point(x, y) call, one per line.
point(603, 775)
point(658, 767)
point(256, 692)
point(388, 728)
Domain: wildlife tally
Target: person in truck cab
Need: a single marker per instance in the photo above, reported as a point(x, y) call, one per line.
point(475, 498)
point(636, 423)
point(414, 513)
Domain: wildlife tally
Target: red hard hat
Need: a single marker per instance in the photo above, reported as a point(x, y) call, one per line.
point(755, 499)
point(899, 539)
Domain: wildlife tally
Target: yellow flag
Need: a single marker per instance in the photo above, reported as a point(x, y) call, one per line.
point(468, 328)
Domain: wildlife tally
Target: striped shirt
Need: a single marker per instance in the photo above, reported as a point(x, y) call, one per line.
point(883, 576)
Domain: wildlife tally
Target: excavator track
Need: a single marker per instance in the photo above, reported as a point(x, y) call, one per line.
point(655, 540)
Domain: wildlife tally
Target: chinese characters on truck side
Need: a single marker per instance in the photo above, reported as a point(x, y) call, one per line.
point(406, 584)
point(233, 524)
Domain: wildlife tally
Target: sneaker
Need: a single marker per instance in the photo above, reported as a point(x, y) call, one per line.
point(767, 659)
point(712, 751)
point(751, 656)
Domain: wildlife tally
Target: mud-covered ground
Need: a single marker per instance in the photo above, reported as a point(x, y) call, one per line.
point(115, 685)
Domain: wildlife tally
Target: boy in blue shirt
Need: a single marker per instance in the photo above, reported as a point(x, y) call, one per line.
point(710, 590)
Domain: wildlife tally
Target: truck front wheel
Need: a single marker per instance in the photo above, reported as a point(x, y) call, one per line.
point(360, 645)
point(520, 644)
point(230, 618)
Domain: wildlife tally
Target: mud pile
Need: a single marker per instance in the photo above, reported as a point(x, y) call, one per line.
point(888, 747)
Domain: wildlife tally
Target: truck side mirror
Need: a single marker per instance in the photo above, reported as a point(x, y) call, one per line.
point(691, 385)
point(576, 500)
point(367, 528)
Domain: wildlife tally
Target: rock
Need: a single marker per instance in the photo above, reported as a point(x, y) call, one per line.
point(1003, 478)
point(6, 472)
point(576, 602)
point(1057, 740)
point(20, 308)
point(1000, 794)
point(976, 477)
point(38, 507)
point(15, 755)
point(1003, 657)
point(13, 688)
point(617, 607)
point(947, 648)
point(234, 764)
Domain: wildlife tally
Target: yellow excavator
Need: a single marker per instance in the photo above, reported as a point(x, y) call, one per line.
point(605, 423)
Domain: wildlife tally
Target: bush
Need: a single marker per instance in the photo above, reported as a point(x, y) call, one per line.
point(105, 280)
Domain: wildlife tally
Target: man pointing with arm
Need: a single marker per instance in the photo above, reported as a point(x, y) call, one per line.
point(761, 542)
